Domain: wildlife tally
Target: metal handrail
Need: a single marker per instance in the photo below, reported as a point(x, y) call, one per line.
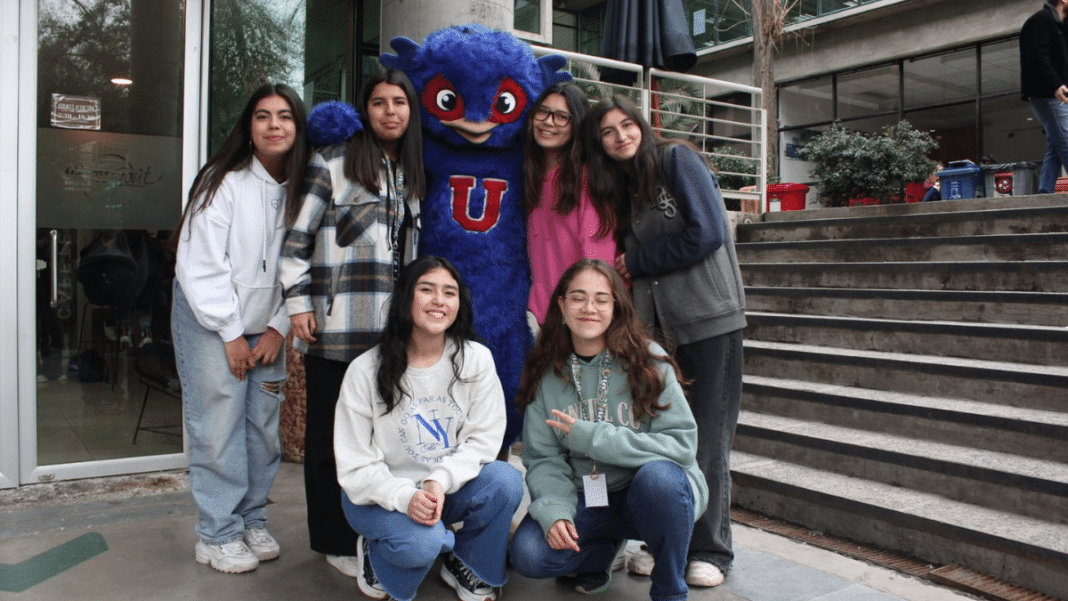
point(738, 133)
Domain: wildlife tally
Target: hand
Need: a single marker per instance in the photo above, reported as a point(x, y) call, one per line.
point(266, 349)
point(565, 423)
point(240, 357)
point(303, 325)
point(562, 535)
point(426, 504)
point(1062, 94)
point(621, 266)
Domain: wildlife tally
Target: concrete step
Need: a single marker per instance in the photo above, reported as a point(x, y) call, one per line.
point(1029, 551)
point(1012, 384)
point(1007, 307)
point(922, 208)
point(1004, 481)
point(1028, 432)
point(1006, 247)
point(1020, 276)
point(1038, 345)
point(1011, 220)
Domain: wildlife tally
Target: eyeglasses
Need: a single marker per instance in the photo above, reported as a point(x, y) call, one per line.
point(601, 302)
point(560, 118)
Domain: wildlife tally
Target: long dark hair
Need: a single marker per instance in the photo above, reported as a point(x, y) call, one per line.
point(393, 342)
point(569, 178)
point(626, 337)
point(237, 150)
point(636, 178)
point(364, 155)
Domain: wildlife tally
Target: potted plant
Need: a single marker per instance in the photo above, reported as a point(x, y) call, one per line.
point(853, 165)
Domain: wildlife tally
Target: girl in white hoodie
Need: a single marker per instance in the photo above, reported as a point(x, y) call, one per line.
point(229, 325)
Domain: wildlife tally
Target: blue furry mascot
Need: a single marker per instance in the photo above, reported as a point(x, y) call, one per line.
point(475, 86)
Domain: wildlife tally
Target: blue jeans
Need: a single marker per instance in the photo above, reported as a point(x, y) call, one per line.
point(231, 428)
point(656, 508)
point(403, 550)
point(1053, 115)
point(715, 366)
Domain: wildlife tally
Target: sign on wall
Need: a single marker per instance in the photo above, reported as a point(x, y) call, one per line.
point(75, 112)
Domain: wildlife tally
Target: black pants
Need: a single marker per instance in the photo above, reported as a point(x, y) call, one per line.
point(328, 530)
point(715, 366)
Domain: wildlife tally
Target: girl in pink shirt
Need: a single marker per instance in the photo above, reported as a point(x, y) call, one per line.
point(564, 223)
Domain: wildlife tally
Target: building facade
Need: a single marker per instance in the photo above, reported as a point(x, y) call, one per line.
point(108, 108)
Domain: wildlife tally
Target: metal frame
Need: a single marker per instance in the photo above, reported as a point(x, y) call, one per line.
point(756, 125)
point(18, 181)
point(9, 243)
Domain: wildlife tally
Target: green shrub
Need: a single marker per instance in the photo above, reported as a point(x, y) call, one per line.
point(851, 164)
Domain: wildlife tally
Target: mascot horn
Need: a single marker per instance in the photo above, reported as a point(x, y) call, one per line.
point(475, 87)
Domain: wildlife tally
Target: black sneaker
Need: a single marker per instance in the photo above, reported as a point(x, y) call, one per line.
point(468, 587)
point(365, 579)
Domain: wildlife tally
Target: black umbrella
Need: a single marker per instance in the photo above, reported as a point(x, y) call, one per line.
point(651, 33)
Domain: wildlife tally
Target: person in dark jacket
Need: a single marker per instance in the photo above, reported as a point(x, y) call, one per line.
point(1044, 82)
point(678, 252)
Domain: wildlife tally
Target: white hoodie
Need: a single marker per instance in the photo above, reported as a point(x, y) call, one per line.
point(228, 256)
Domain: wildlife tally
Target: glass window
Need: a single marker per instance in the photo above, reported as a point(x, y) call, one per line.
point(527, 16)
point(941, 79)
point(565, 30)
point(953, 127)
point(804, 102)
point(868, 92)
point(591, 29)
point(262, 41)
point(108, 192)
point(1010, 131)
point(1001, 68)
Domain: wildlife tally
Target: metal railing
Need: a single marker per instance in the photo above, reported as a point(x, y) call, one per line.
point(723, 119)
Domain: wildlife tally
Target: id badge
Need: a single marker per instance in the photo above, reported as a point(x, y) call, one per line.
point(596, 490)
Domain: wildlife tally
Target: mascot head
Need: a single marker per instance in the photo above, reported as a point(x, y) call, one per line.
point(475, 84)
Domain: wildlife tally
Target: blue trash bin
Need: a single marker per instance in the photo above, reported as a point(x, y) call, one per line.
point(962, 179)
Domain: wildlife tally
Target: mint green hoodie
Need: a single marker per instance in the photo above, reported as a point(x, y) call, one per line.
point(556, 462)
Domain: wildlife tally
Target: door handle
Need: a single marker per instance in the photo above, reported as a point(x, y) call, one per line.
point(54, 268)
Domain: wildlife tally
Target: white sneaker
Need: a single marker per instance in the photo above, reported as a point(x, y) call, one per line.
point(233, 557)
point(261, 543)
point(702, 573)
point(640, 561)
point(346, 564)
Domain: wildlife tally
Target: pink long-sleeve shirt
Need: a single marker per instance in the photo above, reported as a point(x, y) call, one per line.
point(555, 242)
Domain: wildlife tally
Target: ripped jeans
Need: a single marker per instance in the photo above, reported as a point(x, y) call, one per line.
point(231, 428)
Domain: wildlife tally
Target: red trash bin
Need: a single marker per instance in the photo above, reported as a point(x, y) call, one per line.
point(786, 197)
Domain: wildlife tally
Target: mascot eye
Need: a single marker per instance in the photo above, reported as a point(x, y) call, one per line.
point(510, 103)
point(446, 100)
point(440, 99)
point(506, 103)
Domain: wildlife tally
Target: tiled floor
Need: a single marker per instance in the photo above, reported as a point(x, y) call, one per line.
point(93, 421)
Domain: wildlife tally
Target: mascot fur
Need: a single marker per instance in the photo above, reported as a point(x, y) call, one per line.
point(475, 87)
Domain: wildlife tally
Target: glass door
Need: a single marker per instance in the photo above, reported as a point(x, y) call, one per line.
point(108, 157)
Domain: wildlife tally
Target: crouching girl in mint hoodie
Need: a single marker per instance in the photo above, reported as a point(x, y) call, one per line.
point(609, 442)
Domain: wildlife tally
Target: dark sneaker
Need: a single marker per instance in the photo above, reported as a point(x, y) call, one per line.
point(468, 587)
point(365, 579)
point(591, 583)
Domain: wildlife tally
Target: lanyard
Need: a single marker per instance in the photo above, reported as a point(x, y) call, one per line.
point(602, 386)
point(602, 393)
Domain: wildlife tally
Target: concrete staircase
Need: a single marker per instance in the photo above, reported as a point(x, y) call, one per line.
point(906, 380)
